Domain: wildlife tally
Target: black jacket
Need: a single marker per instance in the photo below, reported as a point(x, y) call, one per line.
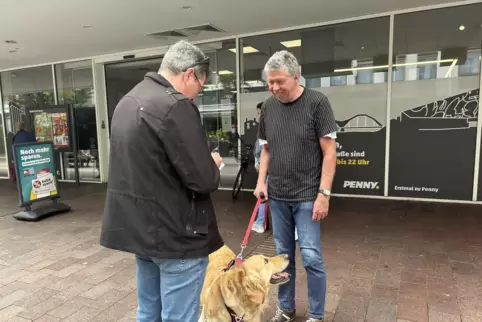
point(161, 174)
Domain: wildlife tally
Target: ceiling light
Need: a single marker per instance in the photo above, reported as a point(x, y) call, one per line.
point(394, 65)
point(86, 26)
point(291, 43)
point(246, 50)
point(186, 8)
point(225, 72)
point(449, 71)
point(10, 41)
point(461, 27)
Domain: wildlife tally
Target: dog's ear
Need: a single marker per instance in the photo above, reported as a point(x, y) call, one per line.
point(254, 290)
point(235, 279)
point(214, 299)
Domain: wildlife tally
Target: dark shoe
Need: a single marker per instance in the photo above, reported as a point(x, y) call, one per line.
point(283, 316)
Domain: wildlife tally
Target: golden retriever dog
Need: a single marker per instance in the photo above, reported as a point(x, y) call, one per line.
point(241, 291)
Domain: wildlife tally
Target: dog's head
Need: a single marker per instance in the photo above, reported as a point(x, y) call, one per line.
point(258, 273)
point(245, 287)
point(267, 269)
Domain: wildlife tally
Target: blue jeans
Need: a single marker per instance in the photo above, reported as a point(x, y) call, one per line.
point(168, 290)
point(261, 213)
point(285, 215)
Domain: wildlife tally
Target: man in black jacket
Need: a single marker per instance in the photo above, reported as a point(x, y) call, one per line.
point(161, 174)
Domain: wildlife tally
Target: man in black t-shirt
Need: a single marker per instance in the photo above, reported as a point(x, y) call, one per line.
point(298, 130)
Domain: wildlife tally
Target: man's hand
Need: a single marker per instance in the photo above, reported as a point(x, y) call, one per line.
point(320, 207)
point(217, 158)
point(261, 188)
point(256, 166)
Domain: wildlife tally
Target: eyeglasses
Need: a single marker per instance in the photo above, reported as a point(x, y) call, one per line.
point(205, 63)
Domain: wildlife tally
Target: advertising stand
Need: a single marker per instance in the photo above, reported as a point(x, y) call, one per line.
point(37, 181)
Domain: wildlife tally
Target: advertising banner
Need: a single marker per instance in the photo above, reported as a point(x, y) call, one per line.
point(360, 165)
point(52, 124)
point(361, 138)
point(35, 166)
point(432, 149)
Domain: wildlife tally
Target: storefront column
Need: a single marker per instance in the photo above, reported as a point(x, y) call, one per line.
point(478, 141)
point(4, 130)
point(102, 119)
point(389, 104)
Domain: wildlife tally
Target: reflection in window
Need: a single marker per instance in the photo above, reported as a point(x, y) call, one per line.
point(3, 152)
point(22, 89)
point(472, 64)
point(75, 86)
point(217, 105)
point(313, 82)
point(74, 83)
point(364, 74)
point(25, 88)
point(338, 80)
point(435, 102)
point(342, 61)
point(428, 68)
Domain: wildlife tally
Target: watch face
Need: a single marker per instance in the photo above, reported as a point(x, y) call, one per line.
point(325, 192)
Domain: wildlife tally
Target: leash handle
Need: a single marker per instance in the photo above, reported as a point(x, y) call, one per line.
point(262, 197)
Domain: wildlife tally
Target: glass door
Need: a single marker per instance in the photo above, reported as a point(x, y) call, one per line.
point(120, 78)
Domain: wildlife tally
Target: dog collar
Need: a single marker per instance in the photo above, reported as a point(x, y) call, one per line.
point(230, 265)
point(234, 317)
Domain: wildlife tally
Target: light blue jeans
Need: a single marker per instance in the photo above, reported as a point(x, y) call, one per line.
point(261, 213)
point(168, 290)
point(285, 215)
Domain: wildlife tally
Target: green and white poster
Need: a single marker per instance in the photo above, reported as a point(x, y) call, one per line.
point(36, 174)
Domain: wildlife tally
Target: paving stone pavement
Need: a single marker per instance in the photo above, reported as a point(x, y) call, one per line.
point(385, 261)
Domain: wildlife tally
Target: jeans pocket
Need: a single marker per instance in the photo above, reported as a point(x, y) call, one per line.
point(172, 266)
point(182, 265)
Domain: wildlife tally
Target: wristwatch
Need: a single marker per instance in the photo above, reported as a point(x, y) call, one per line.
point(325, 192)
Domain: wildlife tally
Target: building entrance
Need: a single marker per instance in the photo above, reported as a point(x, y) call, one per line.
point(120, 78)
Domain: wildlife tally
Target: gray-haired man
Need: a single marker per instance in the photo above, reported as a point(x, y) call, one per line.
point(161, 175)
point(299, 129)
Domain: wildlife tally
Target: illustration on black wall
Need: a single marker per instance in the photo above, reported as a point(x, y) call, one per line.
point(360, 155)
point(359, 121)
point(432, 149)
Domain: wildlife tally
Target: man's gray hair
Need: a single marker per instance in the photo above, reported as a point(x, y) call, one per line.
point(183, 55)
point(283, 60)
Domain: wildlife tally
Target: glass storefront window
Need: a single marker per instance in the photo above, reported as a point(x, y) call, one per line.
point(434, 100)
point(121, 77)
point(4, 163)
point(342, 61)
point(217, 105)
point(25, 88)
point(75, 86)
point(22, 89)
point(434, 106)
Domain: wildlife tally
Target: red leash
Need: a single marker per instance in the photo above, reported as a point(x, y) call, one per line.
point(239, 257)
